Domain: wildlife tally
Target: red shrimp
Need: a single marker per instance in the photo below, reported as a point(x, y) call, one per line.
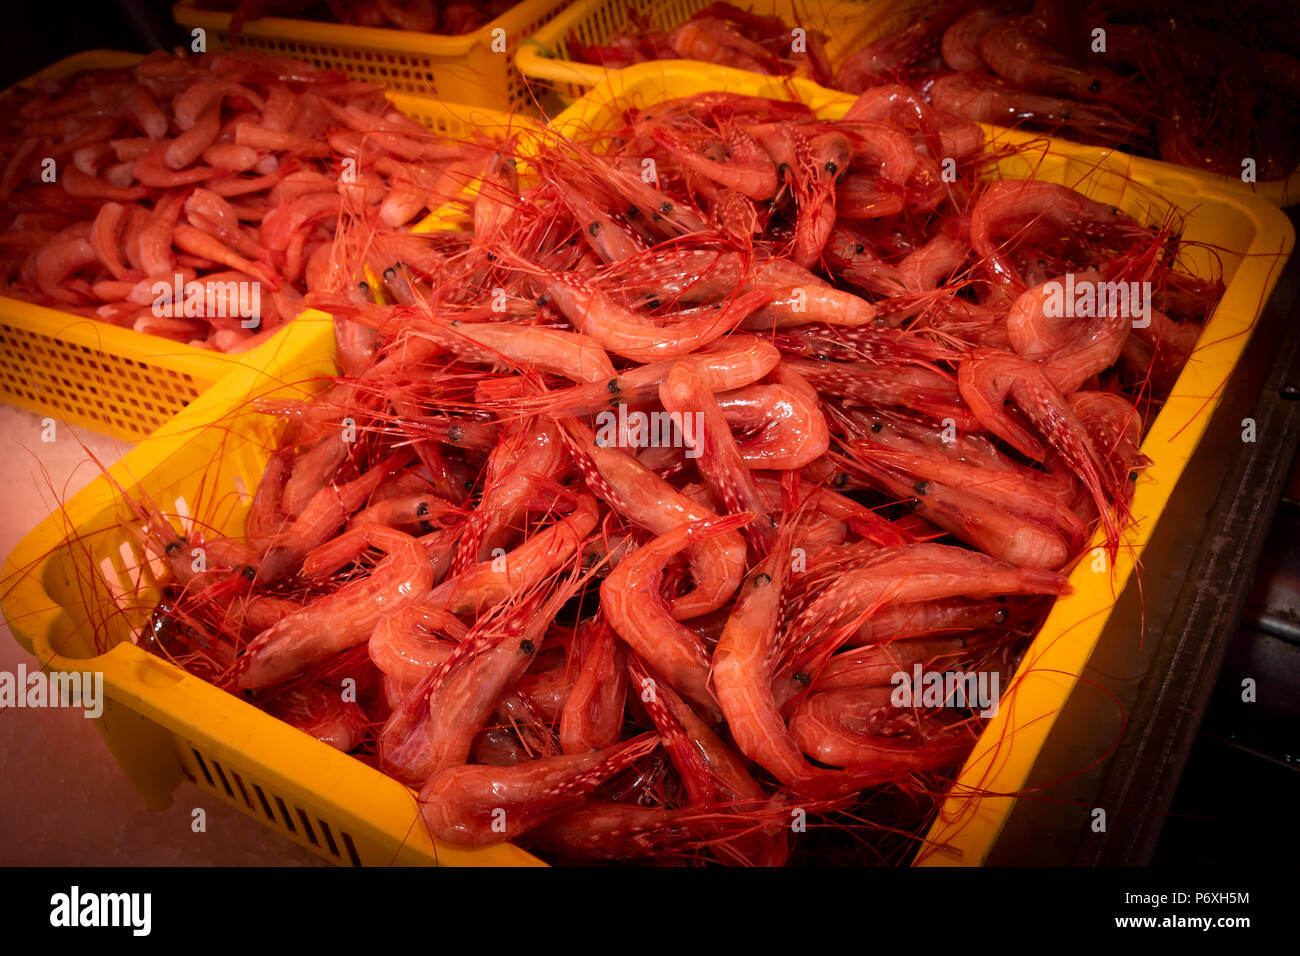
point(591, 717)
point(479, 805)
point(344, 618)
point(632, 603)
point(716, 561)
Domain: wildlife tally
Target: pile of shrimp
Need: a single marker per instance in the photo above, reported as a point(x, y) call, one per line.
point(877, 452)
point(1195, 84)
point(720, 33)
point(226, 169)
point(419, 16)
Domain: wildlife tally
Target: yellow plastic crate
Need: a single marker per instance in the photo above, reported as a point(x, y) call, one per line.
point(1254, 240)
point(162, 724)
point(165, 725)
point(896, 15)
point(544, 60)
point(466, 69)
point(124, 383)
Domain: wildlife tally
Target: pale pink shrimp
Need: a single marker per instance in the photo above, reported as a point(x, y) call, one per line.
point(188, 108)
point(231, 157)
point(82, 186)
point(201, 244)
point(106, 238)
point(312, 471)
point(189, 145)
point(60, 260)
point(1070, 348)
point(145, 113)
point(631, 601)
point(717, 561)
point(152, 170)
point(930, 266)
point(478, 805)
point(593, 711)
point(346, 617)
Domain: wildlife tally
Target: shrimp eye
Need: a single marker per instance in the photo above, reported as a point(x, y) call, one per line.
point(653, 304)
point(633, 212)
point(613, 386)
point(455, 323)
point(831, 167)
point(772, 521)
point(526, 647)
point(456, 433)
point(422, 509)
point(390, 273)
point(249, 572)
point(666, 208)
point(914, 503)
point(859, 249)
point(594, 228)
point(1132, 476)
point(572, 240)
point(801, 678)
point(1095, 86)
point(542, 300)
point(363, 286)
point(172, 547)
point(840, 480)
point(491, 258)
point(922, 487)
point(469, 484)
point(762, 579)
point(877, 426)
point(1001, 616)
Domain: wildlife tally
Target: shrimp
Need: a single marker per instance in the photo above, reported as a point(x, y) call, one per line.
point(716, 561)
point(631, 601)
point(960, 46)
point(494, 581)
point(787, 426)
point(1008, 205)
point(835, 727)
point(720, 460)
point(479, 805)
point(987, 379)
point(405, 645)
point(345, 618)
point(592, 714)
point(1071, 349)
